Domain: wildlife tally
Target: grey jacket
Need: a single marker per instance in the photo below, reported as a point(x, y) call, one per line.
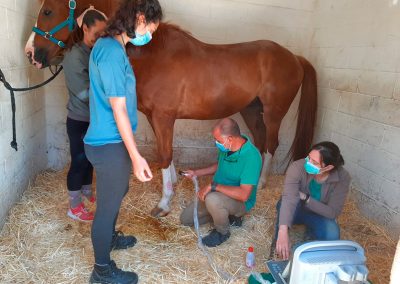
point(333, 193)
point(76, 70)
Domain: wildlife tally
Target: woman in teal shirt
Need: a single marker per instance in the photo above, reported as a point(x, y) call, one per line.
point(109, 142)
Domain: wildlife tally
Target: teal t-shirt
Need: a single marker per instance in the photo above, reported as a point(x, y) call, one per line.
point(315, 189)
point(241, 167)
point(111, 75)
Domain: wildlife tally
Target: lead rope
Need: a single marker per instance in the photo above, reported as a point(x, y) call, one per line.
point(221, 273)
point(7, 85)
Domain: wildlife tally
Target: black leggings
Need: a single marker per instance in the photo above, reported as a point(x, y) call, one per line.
point(113, 167)
point(81, 170)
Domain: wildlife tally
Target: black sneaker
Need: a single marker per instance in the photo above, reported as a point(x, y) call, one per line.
point(235, 221)
point(120, 241)
point(215, 238)
point(111, 274)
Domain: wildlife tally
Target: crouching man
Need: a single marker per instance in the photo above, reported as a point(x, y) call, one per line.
point(233, 190)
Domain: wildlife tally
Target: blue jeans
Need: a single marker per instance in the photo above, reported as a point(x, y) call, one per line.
point(318, 227)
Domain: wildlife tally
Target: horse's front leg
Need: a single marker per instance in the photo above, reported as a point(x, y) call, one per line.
point(163, 127)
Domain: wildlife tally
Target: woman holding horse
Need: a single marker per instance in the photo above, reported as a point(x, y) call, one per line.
point(76, 69)
point(109, 142)
point(314, 194)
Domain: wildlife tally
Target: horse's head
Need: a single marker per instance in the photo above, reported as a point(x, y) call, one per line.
point(54, 25)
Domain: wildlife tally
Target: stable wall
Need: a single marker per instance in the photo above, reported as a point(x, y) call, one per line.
point(17, 169)
point(355, 48)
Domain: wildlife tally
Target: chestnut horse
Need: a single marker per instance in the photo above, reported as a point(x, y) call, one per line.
point(180, 77)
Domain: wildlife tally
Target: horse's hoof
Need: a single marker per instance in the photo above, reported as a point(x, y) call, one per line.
point(158, 212)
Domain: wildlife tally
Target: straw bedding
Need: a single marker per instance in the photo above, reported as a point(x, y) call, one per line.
point(40, 244)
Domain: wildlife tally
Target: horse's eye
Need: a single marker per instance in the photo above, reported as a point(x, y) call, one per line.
point(47, 12)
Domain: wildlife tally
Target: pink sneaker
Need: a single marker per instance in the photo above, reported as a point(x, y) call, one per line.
point(92, 199)
point(80, 213)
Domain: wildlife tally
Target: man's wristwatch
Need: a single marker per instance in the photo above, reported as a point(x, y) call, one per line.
point(214, 186)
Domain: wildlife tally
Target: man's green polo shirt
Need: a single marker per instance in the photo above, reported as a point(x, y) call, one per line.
point(240, 167)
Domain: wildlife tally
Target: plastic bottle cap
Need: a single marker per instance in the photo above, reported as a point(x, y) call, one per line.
point(251, 249)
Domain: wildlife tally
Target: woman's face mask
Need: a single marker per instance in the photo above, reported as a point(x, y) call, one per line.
point(311, 168)
point(144, 32)
point(141, 40)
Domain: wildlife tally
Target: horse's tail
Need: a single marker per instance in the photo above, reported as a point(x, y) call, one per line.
point(306, 113)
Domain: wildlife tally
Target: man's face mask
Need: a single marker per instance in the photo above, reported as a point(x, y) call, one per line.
point(221, 146)
point(141, 40)
point(311, 168)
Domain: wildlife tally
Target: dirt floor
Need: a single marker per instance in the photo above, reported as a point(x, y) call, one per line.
point(40, 244)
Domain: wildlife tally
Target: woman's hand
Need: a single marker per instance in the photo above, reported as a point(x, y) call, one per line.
point(203, 192)
point(303, 196)
point(141, 169)
point(283, 243)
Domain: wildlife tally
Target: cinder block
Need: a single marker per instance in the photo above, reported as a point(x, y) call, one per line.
point(277, 16)
point(382, 57)
point(10, 4)
point(30, 8)
point(377, 83)
point(190, 7)
point(226, 10)
point(396, 92)
point(375, 211)
point(367, 131)
point(337, 121)
point(322, 134)
point(56, 96)
point(344, 80)
point(391, 140)
point(382, 163)
point(329, 98)
point(357, 56)
point(352, 150)
point(3, 26)
point(336, 57)
point(19, 26)
point(391, 195)
point(365, 180)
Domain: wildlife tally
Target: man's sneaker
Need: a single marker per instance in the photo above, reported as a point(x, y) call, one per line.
point(120, 241)
point(235, 221)
point(111, 274)
point(80, 213)
point(215, 238)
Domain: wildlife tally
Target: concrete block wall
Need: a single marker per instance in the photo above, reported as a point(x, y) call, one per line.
point(17, 169)
point(355, 48)
point(286, 22)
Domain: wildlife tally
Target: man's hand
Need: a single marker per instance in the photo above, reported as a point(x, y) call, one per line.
point(203, 192)
point(188, 173)
point(141, 169)
point(283, 243)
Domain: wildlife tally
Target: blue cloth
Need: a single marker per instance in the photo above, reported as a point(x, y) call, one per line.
point(318, 227)
point(111, 75)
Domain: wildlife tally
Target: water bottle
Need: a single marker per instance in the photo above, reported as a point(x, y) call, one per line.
point(250, 258)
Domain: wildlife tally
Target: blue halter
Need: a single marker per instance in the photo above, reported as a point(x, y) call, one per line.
point(70, 22)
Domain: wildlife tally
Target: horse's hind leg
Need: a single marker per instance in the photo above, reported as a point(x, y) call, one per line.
point(273, 116)
point(253, 117)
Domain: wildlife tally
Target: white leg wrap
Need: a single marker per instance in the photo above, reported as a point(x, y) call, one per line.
point(168, 190)
point(174, 178)
point(265, 170)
